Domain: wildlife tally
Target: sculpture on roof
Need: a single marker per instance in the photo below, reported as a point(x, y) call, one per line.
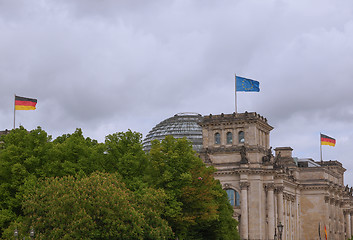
point(268, 156)
point(244, 159)
point(276, 160)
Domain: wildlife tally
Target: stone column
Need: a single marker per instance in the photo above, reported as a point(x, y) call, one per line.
point(280, 204)
point(333, 219)
point(348, 223)
point(244, 227)
point(269, 187)
point(351, 217)
point(328, 216)
point(337, 225)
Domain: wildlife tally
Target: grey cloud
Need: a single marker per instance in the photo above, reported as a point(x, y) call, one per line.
point(107, 66)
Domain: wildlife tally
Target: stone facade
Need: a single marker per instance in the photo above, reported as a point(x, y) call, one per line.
point(4, 132)
point(301, 194)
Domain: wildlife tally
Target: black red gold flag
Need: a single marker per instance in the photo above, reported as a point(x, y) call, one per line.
point(326, 140)
point(23, 103)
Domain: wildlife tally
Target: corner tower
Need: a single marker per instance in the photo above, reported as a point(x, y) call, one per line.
point(235, 138)
point(237, 145)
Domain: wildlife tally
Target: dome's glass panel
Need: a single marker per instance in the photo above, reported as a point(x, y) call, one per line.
point(179, 126)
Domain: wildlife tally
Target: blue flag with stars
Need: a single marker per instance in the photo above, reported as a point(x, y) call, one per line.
point(247, 85)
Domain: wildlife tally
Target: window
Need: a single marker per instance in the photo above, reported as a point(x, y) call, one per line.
point(229, 138)
point(241, 137)
point(233, 197)
point(217, 138)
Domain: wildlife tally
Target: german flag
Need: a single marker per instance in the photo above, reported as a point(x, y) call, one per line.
point(326, 140)
point(23, 103)
point(325, 233)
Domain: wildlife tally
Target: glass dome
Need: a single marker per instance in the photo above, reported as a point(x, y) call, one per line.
point(179, 126)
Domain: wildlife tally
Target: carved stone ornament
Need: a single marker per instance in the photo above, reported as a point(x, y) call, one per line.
point(207, 158)
point(276, 160)
point(289, 197)
point(279, 189)
point(244, 185)
point(268, 156)
point(269, 186)
point(244, 159)
point(346, 212)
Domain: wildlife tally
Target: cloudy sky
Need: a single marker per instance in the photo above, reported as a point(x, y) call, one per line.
point(107, 66)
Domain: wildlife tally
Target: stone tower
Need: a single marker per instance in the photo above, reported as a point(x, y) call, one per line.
point(268, 191)
point(228, 136)
point(238, 145)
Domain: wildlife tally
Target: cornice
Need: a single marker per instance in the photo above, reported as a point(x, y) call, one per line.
point(233, 149)
point(304, 187)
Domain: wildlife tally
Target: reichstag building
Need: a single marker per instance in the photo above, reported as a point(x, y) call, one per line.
point(274, 194)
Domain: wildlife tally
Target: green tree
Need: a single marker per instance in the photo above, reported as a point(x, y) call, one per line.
point(194, 203)
point(197, 206)
point(124, 154)
point(73, 153)
point(95, 207)
point(22, 155)
point(32, 155)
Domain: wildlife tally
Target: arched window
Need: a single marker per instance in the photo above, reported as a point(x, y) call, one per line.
point(229, 138)
point(241, 137)
point(217, 138)
point(233, 197)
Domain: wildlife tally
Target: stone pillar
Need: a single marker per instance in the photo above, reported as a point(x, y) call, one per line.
point(271, 210)
point(326, 223)
point(333, 219)
point(351, 217)
point(290, 227)
point(337, 225)
point(244, 227)
point(280, 204)
point(348, 223)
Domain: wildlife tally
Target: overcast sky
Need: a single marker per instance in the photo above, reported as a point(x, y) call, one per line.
point(110, 65)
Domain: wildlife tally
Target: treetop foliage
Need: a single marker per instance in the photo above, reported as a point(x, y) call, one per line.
point(73, 187)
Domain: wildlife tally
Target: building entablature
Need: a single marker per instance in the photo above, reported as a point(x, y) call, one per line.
point(224, 172)
point(347, 205)
point(290, 184)
point(333, 165)
point(334, 201)
point(324, 173)
point(276, 173)
point(246, 117)
point(310, 187)
point(336, 189)
point(232, 149)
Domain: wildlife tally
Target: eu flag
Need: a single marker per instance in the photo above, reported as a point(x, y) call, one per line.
point(247, 85)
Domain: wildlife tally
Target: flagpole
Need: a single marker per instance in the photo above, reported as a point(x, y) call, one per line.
point(14, 112)
point(236, 110)
point(320, 149)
